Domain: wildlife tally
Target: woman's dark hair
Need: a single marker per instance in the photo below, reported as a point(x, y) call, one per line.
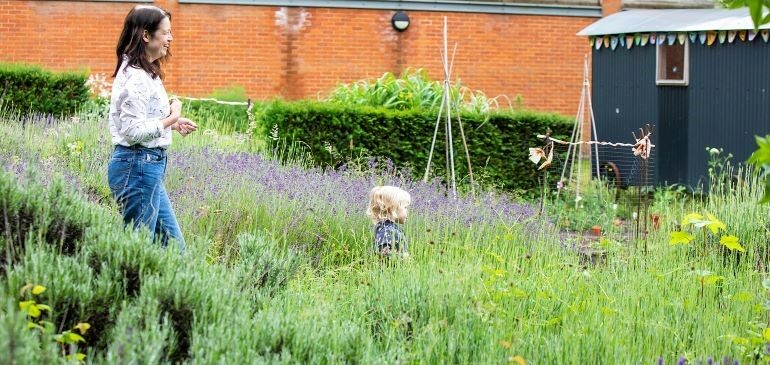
point(130, 45)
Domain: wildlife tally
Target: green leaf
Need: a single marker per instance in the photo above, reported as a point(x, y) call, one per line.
point(690, 217)
point(44, 307)
point(82, 327)
point(72, 337)
point(731, 242)
point(31, 325)
point(25, 304)
point(38, 289)
point(766, 334)
point(712, 279)
point(681, 238)
point(715, 224)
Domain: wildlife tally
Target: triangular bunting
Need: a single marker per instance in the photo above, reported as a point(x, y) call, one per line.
point(622, 40)
point(598, 43)
point(702, 37)
point(712, 36)
point(644, 39)
point(629, 41)
point(614, 42)
point(661, 38)
point(653, 38)
point(607, 42)
point(671, 39)
point(722, 35)
point(752, 35)
point(693, 37)
point(591, 41)
point(681, 37)
point(637, 39)
point(731, 35)
point(765, 34)
point(742, 35)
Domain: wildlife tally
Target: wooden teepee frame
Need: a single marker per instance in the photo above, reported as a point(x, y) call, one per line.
point(446, 105)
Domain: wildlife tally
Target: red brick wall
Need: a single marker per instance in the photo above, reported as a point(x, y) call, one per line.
point(304, 52)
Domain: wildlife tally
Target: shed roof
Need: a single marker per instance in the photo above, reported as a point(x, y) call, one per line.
point(671, 20)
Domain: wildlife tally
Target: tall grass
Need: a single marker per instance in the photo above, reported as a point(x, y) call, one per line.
point(280, 269)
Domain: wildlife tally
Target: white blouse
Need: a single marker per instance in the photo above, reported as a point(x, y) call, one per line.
point(137, 106)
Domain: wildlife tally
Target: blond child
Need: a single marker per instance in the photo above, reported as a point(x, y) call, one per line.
point(387, 209)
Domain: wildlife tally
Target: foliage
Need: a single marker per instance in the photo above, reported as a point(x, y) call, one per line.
point(412, 90)
point(293, 279)
point(761, 160)
point(32, 89)
point(756, 8)
point(498, 142)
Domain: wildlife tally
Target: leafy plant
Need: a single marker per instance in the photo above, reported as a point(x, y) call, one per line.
point(756, 9)
point(713, 228)
point(34, 311)
point(761, 159)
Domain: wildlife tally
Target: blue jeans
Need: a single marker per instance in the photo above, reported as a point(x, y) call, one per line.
point(135, 175)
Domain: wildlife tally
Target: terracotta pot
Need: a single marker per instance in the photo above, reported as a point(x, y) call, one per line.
point(596, 230)
point(655, 218)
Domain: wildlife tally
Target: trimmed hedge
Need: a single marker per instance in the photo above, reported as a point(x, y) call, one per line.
point(33, 89)
point(499, 143)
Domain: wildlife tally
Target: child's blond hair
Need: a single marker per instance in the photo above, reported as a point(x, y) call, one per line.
point(388, 203)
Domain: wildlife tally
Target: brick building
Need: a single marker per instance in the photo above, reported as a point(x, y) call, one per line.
point(301, 49)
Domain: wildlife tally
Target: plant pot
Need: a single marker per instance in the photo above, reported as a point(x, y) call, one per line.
point(655, 219)
point(596, 230)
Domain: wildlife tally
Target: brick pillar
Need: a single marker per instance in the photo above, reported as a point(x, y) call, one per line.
point(610, 7)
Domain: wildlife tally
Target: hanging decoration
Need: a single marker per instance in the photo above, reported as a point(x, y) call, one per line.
point(708, 38)
point(712, 35)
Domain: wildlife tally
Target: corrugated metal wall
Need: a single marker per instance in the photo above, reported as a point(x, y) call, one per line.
point(726, 103)
point(729, 97)
point(624, 100)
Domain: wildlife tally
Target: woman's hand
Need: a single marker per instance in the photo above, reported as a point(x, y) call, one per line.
point(184, 126)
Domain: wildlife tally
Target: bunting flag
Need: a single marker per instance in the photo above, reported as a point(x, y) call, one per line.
point(722, 35)
point(671, 39)
point(661, 38)
point(712, 36)
point(702, 36)
point(752, 35)
point(681, 37)
point(607, 42)
point(653, 38)
point(731, 35)
point(598, 43)
point(693, 37)
point(622, 40)
point(644, 39)
point(614, 42)
point(629, 41)
point(637, 39)
point(591, 41)
point(765, 34)
point(742, 35)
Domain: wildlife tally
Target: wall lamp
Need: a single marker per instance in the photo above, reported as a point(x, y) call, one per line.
point(400, 21)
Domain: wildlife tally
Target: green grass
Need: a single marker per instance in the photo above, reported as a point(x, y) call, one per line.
point(267, 281)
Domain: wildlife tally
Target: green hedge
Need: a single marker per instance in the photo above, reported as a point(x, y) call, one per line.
point(33, 89)
point(499, 143)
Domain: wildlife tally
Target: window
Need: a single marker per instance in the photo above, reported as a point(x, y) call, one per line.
point(673, 64)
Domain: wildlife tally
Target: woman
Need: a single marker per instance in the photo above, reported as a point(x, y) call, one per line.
point(141, 120)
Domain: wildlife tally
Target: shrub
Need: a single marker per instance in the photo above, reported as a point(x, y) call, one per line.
point(498, 142)
point(33, 89)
